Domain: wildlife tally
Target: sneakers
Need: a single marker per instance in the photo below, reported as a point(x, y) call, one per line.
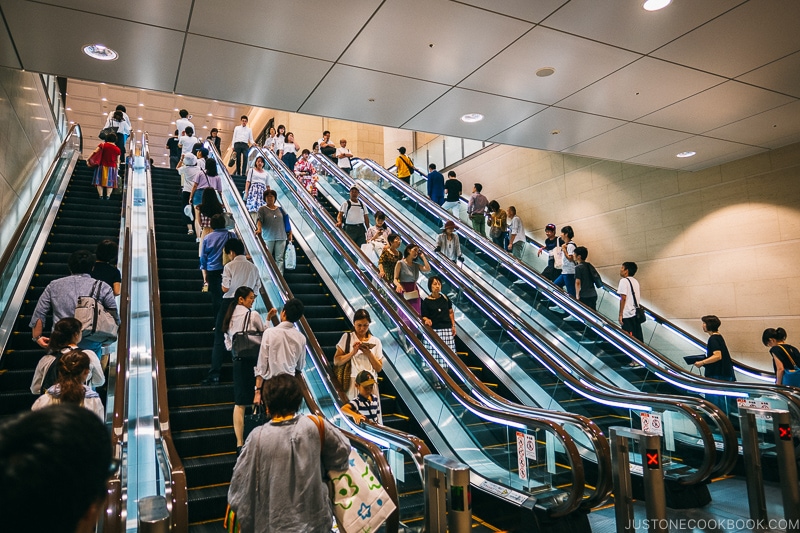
point(633, 364)
point(210, 380)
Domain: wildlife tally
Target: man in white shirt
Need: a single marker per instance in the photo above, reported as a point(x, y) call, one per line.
point(353, 218)
point(630, 295)
point(187, 140)
point(182, 123)
point(242, 141)
point(326, 147)
point(283, 347)
point(516, 239)
point(343, 156)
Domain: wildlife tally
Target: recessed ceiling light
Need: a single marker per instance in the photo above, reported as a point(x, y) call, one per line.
point(176, 109)
point(210, 114)
point(104, 99)
point(686, 154)
point(655, 5)
point(140, 118)
point(545, 71)
point(173, 122)
point(99, 51)
point(141, 105)
point(69, 109)
point(472, 117)
point(45, 131)
point(138, 131)
point(205, 127)
point(72, 122)
point(105, 114)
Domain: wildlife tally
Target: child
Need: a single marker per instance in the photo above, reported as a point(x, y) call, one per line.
point(365, 406)
point(586, 278)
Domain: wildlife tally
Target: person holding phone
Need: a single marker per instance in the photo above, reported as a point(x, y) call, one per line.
point(406, 273)
point(361, 349)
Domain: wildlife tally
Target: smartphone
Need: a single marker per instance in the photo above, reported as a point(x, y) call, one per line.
point(367, 345)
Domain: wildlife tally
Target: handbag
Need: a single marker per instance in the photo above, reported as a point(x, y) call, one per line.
point(255, 419)
point(105, 131)
point(98, 325)
point(344, 372)
point(290, 257)
point(96, 158)
point(790, 377)
point(246, 344)
point(411, 295)
point(188, 211)
point(640, 316)
point(360, 503)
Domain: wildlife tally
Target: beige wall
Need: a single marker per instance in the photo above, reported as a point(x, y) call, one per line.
point(392, 140)
point(724, 241)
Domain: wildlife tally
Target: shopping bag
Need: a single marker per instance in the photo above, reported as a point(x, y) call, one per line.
point(360, 503)
point(95, 159)
point(290, 257)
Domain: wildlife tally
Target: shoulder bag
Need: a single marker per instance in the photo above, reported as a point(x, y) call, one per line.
point(344, 372)
point(640, 316)
point(360, 503)
point(96, 158)
point(290, 257)
point(246, 344)
point(98, 324)
point(791, 376)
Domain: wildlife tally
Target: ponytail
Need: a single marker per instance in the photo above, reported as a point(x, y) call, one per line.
point(71, 367)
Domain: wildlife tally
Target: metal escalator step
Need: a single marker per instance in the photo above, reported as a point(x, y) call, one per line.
point(205, 441)
point(209, 470)
point(207, 503)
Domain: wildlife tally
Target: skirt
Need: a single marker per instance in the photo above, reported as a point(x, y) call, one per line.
point(255, 197)
point(289, 159)
point(446, 334)
point(416, 303)
point(105, 177)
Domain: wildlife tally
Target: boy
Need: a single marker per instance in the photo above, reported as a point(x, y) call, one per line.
point(585, 278)
point(365, 406)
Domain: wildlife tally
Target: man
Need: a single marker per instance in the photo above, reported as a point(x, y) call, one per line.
point(629, 296)
point(476, 209)
point(239, 272)
point(435, 184)
point(242, 141)
point(585, 278)
point(183, 122)
point(64, 450)
point(187, 140)
point(283, 347)
point(404, 165)
point(326, 147)
point(516, 240)
point(452, 191)
point(353, 218)
point(174, 150)
point(211, 260)
point(550, 245)
point(61, 297)
point(343, 156)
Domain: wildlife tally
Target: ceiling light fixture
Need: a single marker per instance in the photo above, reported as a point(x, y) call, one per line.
point(545, 72)
point(101, 52)
point(141, 105)
point(685, 154)
point(655, 5)
point(472, 117)
point(210, 114)
point(69, 109)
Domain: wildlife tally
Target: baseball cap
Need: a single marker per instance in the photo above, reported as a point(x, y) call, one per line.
point(402, 149)
point(364, 378)
point(550, 227)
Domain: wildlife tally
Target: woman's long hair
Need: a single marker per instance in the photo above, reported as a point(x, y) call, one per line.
point(63, 333)
point(241, 292)
point(210, 205)
point(71, 367)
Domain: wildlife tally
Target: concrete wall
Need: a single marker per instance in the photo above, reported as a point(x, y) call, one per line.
point(724, 241)
point(28, 143)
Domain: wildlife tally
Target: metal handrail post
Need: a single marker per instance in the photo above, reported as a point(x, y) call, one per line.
point(448, 500)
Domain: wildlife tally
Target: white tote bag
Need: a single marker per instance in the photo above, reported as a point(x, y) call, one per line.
point(290, 257)
point(360, 503)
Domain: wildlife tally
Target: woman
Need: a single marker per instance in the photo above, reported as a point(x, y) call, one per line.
point(105, 174)
point(214, 138)
point(448, 242)
point(784, 356)
point(406, 273)
point(273, 225)
point(241, 317)
point(277, 483)
point(280, 139)
point(389, 258)
point(361, 349)
point(269, 142)
point(290, 149)
point(65, 337)
point(498, 219)
point(204, 179)
point(256, 183)
point(305, 172)
point(437, 314)
point(209, 207)
point(73, 371)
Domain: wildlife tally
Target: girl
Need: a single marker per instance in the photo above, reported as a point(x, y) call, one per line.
point(73, 371)
point(437, 314)
point(257, 182)
point(290, 149)
point(361, 349)
point(784, 356)
point(65, 337)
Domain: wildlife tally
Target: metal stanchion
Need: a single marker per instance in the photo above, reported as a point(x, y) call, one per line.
point(652, 471)
point(153, 515)
point(787, 467)
point(448, 501)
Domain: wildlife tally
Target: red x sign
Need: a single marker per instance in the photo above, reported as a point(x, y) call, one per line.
point(785, 431)
point(653, 459)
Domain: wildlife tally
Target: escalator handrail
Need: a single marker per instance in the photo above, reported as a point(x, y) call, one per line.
point(611, 393)
point(346, 250)
point(416, 446)
point(597, 321)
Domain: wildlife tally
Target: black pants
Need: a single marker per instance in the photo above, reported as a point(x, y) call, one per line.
point(218, 352)
point(174, 160)
point(185, 195)
point(632, 326)
point(591, 302)
point(240, 150)
point(357, 232)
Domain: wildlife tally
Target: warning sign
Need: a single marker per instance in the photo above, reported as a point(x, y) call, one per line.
point(652, 423)
point(530, 447)
point(522, 462)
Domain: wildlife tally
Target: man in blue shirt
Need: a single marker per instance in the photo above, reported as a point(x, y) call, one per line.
point(211, 260)
point(435, 184)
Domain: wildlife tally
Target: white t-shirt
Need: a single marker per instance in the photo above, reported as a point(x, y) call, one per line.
point(355, 215)
point(360, 361)
point(242, 134)
point(516, 228)
point(237, 323)
point(624, 287)
point(188, 175)
point(343, 162)
point(257, 176)
point(567, 266)
point(186, 143)
point(182, 123)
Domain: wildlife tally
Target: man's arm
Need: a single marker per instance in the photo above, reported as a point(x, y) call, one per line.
point(622, 298)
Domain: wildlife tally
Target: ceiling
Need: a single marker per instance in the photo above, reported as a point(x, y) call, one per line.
point(718, 77)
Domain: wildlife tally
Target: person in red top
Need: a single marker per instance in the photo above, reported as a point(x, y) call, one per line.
point(105, 174)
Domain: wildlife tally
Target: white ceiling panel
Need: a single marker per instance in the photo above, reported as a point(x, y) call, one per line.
point(639, 89)
point(743, 39)
point(173, 14)
point(513, 72)
point(346, 92)
point(8, 57)
point(706, 149)
point(279, 81)
point(573, 127)
point(444, 115)
point(716, 107)
point(782, 75)
point(391, 43)
point(771, 129)
point(283, 26)
point(33, 25)
point(522, 9)
point(602, 21)
point(626, 142)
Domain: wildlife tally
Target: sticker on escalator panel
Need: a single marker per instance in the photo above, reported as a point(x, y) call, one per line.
point(522, 461)
point(503, 492)
point(652, 423)
point(530, 447)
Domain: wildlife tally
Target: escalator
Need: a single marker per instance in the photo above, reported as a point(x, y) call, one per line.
point(82, 222)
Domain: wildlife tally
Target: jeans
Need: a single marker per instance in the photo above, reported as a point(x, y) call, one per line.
point(453, 207)
point(568, 281)
point(479, 224)
point(357, 232)
point(240, 150)
point(173, 161)
point(277, 249)
point(517, 249)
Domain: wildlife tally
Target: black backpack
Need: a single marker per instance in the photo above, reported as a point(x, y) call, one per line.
point(598, 281)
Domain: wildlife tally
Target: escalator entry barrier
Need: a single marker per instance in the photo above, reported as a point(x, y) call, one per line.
point(787, 467)
point(649, 445)
point(153, 515)
point(448, 497)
